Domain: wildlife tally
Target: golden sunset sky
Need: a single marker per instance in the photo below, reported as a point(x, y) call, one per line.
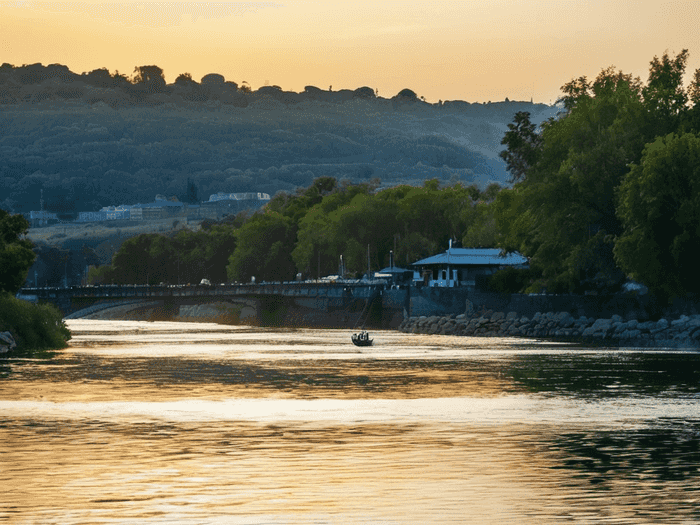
point(450, 50)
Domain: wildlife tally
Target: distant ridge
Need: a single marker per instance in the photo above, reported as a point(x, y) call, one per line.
point(97, 139)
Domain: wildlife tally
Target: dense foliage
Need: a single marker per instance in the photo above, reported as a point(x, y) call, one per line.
point(660, 210)
point(186, 258)
point(99, 139)
point(608, 188)
point(16, 255)
point(306, 232)
point(34, 327)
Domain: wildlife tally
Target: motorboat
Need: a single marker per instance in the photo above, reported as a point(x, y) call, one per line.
point(362, 339)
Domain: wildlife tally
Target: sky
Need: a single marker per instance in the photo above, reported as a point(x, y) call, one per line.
point(477, 51)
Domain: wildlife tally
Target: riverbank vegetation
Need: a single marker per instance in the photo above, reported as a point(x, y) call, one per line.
point(606, 191)
point(34, 327)
point(306, 232)
point(610, 188)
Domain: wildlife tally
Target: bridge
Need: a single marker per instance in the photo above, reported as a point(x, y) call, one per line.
point(339, 302)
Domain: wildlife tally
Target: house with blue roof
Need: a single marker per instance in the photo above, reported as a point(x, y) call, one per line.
point(462, 266)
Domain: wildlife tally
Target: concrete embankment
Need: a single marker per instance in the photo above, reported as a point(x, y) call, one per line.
point(683, 332)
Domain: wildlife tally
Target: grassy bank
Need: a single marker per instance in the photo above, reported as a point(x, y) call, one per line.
point(34, 327)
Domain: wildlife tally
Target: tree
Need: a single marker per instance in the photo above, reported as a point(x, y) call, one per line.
point(150, 77)
point(523, 145)
point(659, 205)
point(561, 214)
point(16, 255)
point(263, 247)
point(664, 95)
point(192, 193)
point(184, 78)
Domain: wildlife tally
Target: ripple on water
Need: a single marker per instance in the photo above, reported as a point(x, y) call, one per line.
point(182, 423)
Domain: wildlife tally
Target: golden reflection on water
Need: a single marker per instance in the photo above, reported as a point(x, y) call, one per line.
point(182, 423)
point(389, 473)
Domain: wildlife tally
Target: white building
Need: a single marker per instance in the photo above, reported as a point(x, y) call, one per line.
point(461, 266)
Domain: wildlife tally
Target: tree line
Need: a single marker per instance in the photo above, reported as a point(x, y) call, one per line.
point(98, 139)
point(33, 327)
point(307, 231)
point(609, 189)
point(606, 191)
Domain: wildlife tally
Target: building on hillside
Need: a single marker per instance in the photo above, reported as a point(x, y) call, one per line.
point(92, 216)
point(251, 196)
point(221, 204)
point(42, 218)
point(463, 266)
point(108, 213)
point(162, 208)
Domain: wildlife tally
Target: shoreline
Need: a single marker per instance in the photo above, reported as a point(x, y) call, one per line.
point(681, 333)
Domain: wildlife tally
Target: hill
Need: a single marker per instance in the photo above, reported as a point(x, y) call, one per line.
point(95, 139)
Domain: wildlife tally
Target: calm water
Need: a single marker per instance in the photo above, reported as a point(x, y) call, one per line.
point(199, 423)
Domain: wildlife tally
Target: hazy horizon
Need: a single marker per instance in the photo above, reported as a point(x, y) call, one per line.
point(441, 50)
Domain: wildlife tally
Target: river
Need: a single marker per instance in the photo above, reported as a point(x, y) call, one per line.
point(203, 423)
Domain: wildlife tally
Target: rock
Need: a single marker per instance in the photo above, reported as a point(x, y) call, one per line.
point(497, 316)
point(564, 319)
point(7, 342)
point(589, 332)
point(602, 324)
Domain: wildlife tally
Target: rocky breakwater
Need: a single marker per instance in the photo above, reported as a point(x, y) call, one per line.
point(683, 332)
point(7, 342)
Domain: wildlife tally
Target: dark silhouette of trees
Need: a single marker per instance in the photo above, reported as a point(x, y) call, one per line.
point(407, 94)
point(523, 146)
point(184, 78)
point(609, 188)
point(16, 255)
point(191, 195)
point(664, 95)
point(365, 92)
point(658, 206)
point(151, 78)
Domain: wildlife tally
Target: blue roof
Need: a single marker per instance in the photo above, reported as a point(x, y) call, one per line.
point(395, 269)
point(473, 257)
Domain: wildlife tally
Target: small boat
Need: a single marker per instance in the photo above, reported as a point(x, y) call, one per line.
point(361, 339)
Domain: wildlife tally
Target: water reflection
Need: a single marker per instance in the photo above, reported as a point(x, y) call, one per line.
point(610, 373)
point(168, 423)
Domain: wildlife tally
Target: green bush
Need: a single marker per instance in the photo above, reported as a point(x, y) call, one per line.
point(509, 280)
point(34, 327)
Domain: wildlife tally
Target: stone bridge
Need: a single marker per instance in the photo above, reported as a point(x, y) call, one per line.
point(294, 303)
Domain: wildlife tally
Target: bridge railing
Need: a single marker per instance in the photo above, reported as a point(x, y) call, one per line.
point(321, 288)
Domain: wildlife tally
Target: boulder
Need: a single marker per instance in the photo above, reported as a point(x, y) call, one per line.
point(7, 342)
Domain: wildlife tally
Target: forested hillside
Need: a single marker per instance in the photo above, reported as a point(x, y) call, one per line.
point(607, 191)
point(99, 139)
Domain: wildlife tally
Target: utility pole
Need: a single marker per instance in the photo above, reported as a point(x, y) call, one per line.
point(369, 271)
